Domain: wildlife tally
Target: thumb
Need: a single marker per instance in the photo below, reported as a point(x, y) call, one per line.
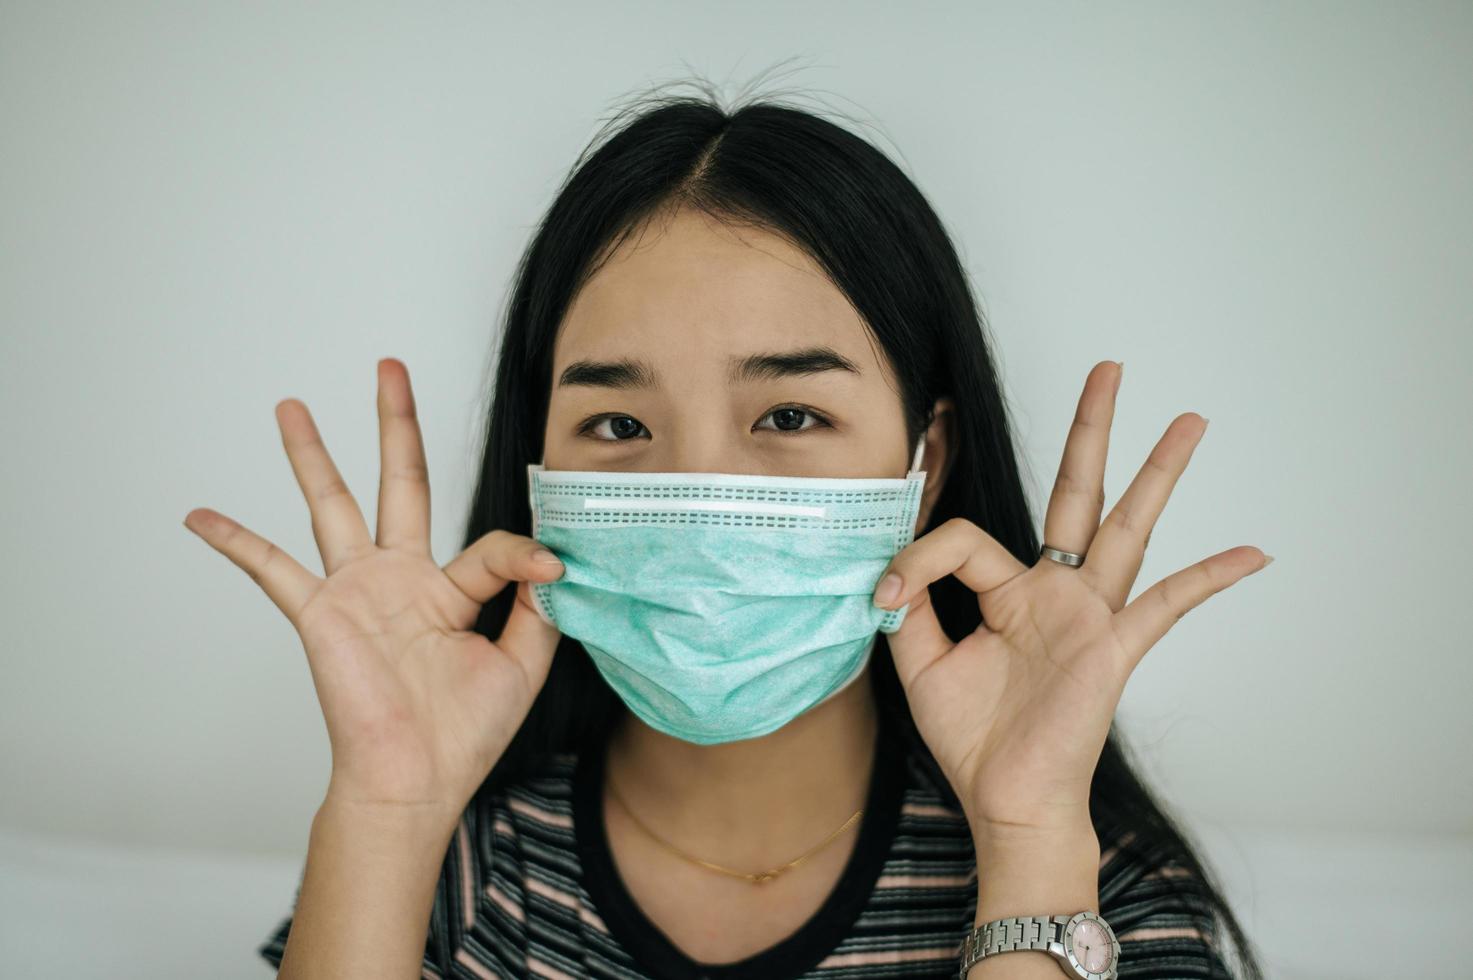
point(528, 638)
point(920, 641)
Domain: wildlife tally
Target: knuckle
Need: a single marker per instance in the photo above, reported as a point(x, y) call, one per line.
point(410, 472)
point(1157, 461)
point(1124, 519)
point(229, 533)
point(1069, 485)
point(960, 525)
point(1165, 598)
point(270, 556)
point(334, 487)
point(505, 547)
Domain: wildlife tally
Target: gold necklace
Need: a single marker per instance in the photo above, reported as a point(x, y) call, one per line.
point(758, 877)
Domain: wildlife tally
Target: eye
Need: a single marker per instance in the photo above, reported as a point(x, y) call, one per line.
point(791, 418)
point(622, 428)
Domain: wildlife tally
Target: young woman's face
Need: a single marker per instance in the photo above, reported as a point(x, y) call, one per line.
point(702, 348)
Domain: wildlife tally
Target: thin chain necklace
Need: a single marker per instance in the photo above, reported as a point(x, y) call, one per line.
point(758, 877)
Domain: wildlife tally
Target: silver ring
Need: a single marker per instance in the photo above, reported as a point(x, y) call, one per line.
point(1062, 557)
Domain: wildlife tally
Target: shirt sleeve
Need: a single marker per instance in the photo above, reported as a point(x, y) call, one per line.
point(448, 914)
point(1162, 917)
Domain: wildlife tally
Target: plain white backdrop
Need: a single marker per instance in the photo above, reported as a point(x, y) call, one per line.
point(1262, 209)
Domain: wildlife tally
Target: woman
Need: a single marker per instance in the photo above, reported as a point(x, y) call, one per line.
point(713, 297)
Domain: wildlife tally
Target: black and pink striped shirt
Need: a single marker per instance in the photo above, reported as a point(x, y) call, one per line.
point(528, 888)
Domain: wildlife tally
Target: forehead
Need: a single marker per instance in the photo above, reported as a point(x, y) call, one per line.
point(688, 288)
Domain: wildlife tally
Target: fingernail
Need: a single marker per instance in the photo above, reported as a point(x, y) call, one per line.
point(543, 555)
point(1119, 376)
point(888, 589)
point(1267, 561)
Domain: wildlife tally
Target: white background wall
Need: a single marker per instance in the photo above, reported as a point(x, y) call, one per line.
point(1264, 210)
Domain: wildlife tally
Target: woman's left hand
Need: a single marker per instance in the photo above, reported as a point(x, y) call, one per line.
point(1017, 713)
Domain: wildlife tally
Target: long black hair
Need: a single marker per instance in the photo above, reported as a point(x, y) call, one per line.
point(837, 196)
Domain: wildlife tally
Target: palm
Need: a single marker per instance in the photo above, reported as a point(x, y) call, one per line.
point(412, 696)
point(1010, 702)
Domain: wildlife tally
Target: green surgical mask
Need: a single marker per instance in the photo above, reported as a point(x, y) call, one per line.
point(720, 606)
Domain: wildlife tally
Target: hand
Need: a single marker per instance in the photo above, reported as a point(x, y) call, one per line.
point(418, 707)
point(1017, 713)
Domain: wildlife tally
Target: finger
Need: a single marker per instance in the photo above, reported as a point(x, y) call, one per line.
point(1119, 546)
point(337, 523)
point(1078, 496)
point(920, 641)
point(529, 639)
point(958, 547)
point(404, 484)
point(496, 558)
point(279, 575)
point(1142, 623)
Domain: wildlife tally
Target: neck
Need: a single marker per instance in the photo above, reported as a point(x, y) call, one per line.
point(757, 802)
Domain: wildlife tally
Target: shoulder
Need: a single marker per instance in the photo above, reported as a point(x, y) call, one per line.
point(519, 822)
point(512, 844)
point(1161, 909)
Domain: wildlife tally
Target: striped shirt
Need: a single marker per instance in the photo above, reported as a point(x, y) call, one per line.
point(528, 888)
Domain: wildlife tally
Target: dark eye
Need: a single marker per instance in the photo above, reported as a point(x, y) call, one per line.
point(791, 418)
point(621, 427)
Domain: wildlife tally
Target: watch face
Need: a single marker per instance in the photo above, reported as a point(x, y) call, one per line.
point(1092, 946)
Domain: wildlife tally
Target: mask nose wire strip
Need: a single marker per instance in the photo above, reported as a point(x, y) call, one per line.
point(736, 506)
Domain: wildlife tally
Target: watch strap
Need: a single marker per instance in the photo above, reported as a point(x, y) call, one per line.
point(1042, 932)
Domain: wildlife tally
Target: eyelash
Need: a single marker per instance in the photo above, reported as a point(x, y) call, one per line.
point(587, 426)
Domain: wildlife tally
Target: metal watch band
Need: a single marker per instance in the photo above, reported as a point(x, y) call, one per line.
point(1006, 935)
point(1047, 933)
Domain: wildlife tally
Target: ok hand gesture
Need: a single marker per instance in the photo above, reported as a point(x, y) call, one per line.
point(419, 707)
point(1017, 713)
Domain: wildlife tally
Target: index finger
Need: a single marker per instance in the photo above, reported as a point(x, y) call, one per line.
point(498, 558)
point(279, 575)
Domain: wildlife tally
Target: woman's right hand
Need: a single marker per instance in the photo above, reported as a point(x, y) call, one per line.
point(418, 706)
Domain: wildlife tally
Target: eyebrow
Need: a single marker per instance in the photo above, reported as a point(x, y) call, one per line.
point(630, 373)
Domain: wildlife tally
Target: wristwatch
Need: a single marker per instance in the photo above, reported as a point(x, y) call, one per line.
point(1084, 944)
